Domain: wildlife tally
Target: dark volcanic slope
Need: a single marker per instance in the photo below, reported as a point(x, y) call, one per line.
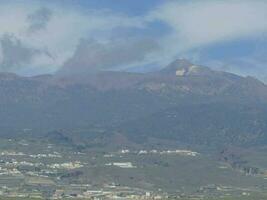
point(183, 102)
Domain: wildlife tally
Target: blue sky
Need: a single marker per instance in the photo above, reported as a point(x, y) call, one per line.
point(130, 7)
point(77, 36)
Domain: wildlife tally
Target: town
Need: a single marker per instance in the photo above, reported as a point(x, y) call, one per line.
point(50, 171)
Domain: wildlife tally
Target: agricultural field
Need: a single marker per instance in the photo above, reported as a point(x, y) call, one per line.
point(31, 168)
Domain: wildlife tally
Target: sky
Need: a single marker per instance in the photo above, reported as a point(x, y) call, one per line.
point(77, 36)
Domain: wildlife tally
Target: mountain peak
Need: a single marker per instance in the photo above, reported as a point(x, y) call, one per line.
point(183, 67)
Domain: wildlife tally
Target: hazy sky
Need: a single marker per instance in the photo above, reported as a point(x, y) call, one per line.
point(74, 36)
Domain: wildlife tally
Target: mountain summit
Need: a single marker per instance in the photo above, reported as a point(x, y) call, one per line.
point(183, 67)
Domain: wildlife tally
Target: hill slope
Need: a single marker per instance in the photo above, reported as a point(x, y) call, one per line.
point(183, 102)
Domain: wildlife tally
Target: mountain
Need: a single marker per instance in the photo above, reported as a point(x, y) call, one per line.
point(182, 67)
point(181, 103)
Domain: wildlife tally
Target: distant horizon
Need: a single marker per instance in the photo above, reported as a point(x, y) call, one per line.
point(129, 71)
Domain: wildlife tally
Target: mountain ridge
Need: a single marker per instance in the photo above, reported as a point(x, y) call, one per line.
point(134, 104)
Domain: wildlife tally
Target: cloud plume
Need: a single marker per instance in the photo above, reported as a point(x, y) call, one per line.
point(91, 56)
point(39, 19)
point(14, 54)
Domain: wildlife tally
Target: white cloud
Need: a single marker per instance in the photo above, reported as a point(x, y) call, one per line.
point(39, 19)
point(57, 30)
point(198, 23)
point(14, 53)
point(91, 56)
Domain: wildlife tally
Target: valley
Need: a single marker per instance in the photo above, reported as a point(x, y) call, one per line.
point(31, 168)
